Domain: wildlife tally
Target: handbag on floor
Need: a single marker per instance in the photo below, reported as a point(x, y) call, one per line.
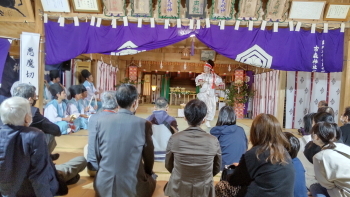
point(227, 171)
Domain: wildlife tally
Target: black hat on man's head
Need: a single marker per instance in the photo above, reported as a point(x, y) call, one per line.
point(85, 73)
point(211, 62)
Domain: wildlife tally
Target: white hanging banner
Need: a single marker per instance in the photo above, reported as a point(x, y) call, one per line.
point(99, 20)
point(342, 27)
point(166, 24)
point(302, 101)
point(61, 21)
point(114, 23)
point(334, 94)
point(191, 23)
point(319, 90)
point(92, 22)
point(250, 26)
point(125, 20)
point(139, 22)
point(313, 28)
point(325, 28)
point(45, 18)
point(222, 24)
point(291, 26)
point(207, 23)
point(275, 27)
point(263, 25)
point(76, 21)
point(152, 23)
point(297, 28)
point(290, 93)
point(29, 61)
point(178, 23)
point(198, 24)
point(237, 25)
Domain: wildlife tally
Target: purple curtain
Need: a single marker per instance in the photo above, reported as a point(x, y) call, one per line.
point(4, 49)
point(64, 43)
point(282, 50)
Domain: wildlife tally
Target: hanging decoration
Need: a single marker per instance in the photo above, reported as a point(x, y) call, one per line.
point(141, 8)
point(169, 9)
point(185, 54)
point(196, 8)
point(249, 10)
point(277, 10)
point(114, 8)
point(222, 9)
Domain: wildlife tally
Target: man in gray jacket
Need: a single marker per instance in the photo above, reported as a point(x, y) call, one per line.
point(124, 150)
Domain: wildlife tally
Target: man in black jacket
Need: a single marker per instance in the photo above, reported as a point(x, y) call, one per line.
point(50, 129)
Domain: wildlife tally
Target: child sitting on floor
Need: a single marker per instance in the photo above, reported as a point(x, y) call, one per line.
point(88, 109)
point(76, 109)
point(56, 109)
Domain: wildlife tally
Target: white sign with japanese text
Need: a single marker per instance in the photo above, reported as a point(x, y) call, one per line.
point(29, 62)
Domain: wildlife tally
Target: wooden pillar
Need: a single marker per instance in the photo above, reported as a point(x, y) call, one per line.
point(39, 28)
point(345, 79)
point(281, 96)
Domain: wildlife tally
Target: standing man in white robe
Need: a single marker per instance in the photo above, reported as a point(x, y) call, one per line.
point(208, 82)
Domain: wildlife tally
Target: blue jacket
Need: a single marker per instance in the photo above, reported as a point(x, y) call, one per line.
point(26, 169)
point(300, 189)
point(233, 142)
point(160, 116)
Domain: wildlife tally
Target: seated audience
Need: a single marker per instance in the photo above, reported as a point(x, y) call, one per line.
point(311, 148)
point(193, 156)
point(56, 109)
point(109, 106)
point(160, 115)
point(322, 103)
point(300, 189)
point(331, 164)
point(306, 138)
point(266, 169)
point(345, 129)
point(25, 166)
point(232, 138)
point(88, 109)
point(50, 129)
point(124, 150)
point(91, 90)
point(76, 109)
point(163, 126)
point(326, 109)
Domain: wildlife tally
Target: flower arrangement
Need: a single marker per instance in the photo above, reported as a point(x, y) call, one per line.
point(238, 92)
point(128, 81)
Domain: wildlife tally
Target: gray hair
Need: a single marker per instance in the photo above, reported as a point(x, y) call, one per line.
point(23, 90)
point(109, 100)
point(161, 103)
point(14, 110)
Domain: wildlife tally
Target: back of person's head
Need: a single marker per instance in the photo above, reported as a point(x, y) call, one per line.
point(294, 144)
point(126, 95)
point(323, 117)
point(195, 111)
point(109, 100)
point(14, 111)
point(266, 132)
point(54, 74)
point(211, 62)
point(85, 73)
point(14, 85)
point(347, 113)
point(308, 120)
point(55, 89)
point(24, 90)
point(74, 90)
point(326, 132)
point(326, 109)
point(161, 103)
point(322, 103)
point(227, 116)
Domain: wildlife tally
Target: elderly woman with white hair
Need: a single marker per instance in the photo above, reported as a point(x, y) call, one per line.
point(25, 166)
point(109, 106)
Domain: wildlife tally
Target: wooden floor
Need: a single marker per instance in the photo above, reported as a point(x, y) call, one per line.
point(70, 146)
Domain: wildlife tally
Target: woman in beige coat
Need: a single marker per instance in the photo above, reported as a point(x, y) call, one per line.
point(193, 156)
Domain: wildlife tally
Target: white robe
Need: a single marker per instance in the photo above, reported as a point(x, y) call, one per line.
point(207, 93)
